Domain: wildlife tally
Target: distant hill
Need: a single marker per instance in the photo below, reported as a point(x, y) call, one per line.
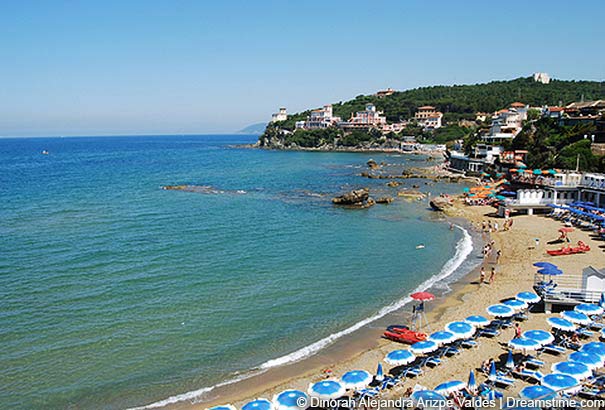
point(253, 129)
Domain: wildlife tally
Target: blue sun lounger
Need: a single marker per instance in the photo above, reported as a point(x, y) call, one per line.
point(529, 375)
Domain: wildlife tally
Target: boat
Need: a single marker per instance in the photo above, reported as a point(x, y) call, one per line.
point(397, 328)
point(421, 246)
point(404, 335)
point(568, 250)
point(44, 152)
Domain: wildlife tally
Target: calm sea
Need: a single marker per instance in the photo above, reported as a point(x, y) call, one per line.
point(115, 293)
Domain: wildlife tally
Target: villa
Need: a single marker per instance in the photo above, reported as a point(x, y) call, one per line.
point(282, 115)
point(428, 117)
point(320, 118)
point(369, 118)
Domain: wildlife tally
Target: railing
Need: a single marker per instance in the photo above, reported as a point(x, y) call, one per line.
point(566, 289)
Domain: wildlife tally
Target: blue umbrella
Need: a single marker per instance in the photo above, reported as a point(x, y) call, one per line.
point(466, 189)
point(537, 172)
point(575, 369)
point(602, 300)
point(258, 404)
point(399, 357)
point(492, 394)
point(575, 317)
point(356, 379)
point(537, 393)
point(528, 297)
point(442, 337)
point(450, 387)
point(561, 324)
point(500, 310)
point(379, 373)
point(424, 347)
point(589, 309)
point(477, 320)
point(550, 271)
point(510, 361)
point(522, 343)
point(223, 407)
point(558, 381)
point(515, 304)
point(427, 396)
point(327, 389)
point(545, 265)
point(541, 336)
point(472, 383)
point(493, 375)
point(461, 330)
point(591, 360)
point(291, 400)
point(597, 348)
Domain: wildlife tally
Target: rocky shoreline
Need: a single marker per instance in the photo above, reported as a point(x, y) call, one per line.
point(331, 148)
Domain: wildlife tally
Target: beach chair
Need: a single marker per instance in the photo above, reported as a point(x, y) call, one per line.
point(363, 393)
point(591, 392)
point(534, 362)
point(413, 371)
point(503, 381)
point(488, 332)
point(554, 349)
point(469, 343)
point(528, 375)
point(596, 326)
point(451, 350)
point(502, 323)
point(520, 316)
point(585, 333)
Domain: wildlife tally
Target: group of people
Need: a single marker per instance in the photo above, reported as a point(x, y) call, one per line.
point(482, 274)
point(489, 226)
point(488, 250)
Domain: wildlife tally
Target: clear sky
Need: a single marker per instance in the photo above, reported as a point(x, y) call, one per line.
point(147, 67)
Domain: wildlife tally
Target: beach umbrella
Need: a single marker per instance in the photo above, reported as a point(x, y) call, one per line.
point(493, 375)
point(472, 382)
point(258, 404)
point(399, 357)
point(510, 361)
point(589, 309)
point(591, 360)
point(379, 373)
point(550, 271)
point(223, 407)
point(327, 389)
point(423, 296)
point(466, 189)
point(537, 171)
point(500, 197)
point(442, 337)
point(291, 400)
point(541, 336)
point(424, 347)
point(552, 171)
point(602, 300)
point(575, 317)
point(545, 264)
point(515, 304)
point(561, 324)
point(422, 397)
point(450, 387)
point(461, 330)
point(559, 381)
point(575, 369)
point(525, 344)
point(597, 348)
point(500, 310)
point(537, 393)
point(477, 320)
point(520, 171)
point(356, 379)
point(528, 297)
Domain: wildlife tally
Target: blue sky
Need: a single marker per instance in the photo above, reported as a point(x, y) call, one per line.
point(147, 67)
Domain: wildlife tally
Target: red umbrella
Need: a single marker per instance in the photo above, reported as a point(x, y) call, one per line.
point(422, 296)
point(566, 229)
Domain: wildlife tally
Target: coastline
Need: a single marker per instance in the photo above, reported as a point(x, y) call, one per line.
point(358, 343)
point(431, 153)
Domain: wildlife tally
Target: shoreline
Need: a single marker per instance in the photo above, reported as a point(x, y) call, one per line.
point(431, 153)
point(363, 337)
point(364, 348)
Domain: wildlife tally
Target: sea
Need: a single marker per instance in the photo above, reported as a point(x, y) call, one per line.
point(117, 294)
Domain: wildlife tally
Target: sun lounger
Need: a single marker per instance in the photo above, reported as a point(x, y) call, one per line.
point(591, 392)
point(520, 317)
point(413, 371)
point(502, 323)
point(452, 350)
point(363, 393)
point(584, 333)
point(554, 349)
point(533, 362)
point(503, 381)
point(596, 326)
point(489, 332)
point(469, 343)
point(529, 375)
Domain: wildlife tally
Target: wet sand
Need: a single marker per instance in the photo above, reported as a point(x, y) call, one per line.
point(364, 349)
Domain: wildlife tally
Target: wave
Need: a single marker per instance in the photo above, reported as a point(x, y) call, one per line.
point(464, 247)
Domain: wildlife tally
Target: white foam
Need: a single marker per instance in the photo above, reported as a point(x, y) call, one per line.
point(464, 247)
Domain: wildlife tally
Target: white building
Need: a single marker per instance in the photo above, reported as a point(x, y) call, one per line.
point(282, 115)
point(428, 117)
point(543, 78)
point(369, 118)
point(321, 118)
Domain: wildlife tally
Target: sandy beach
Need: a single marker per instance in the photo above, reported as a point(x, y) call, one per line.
point(365, 348)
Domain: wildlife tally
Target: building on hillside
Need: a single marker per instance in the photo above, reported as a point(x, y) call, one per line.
point(483, 155)
point(366, 119)
point(395, 127)
point(282, 115)
point(321, 118)
point(425, 111)
point(543, 78)
point(520, 109)
point(384, 93)
point(428, 117)
point(481, 116)
point(506, 124)
point(553, 112)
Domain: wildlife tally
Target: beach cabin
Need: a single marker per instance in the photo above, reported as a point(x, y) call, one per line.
point(571, 289)
point(593, 280)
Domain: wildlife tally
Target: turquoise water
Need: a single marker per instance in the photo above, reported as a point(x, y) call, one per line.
point(115, 293)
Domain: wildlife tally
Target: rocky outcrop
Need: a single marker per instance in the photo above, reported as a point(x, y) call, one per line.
point(372, 164)
point(441, 203)
point(393, 184)
point(384, 200)
point(357, 198)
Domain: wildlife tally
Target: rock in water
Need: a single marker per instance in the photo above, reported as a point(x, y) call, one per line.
point(393, 184)
point(359, 198)
point(384, 200)
point(440, 203)
point(372, 164)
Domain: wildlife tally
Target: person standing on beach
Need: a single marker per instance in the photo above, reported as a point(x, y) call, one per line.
point(492, 276)
point(482, 275)
point(498, 255)
point(517, 330)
